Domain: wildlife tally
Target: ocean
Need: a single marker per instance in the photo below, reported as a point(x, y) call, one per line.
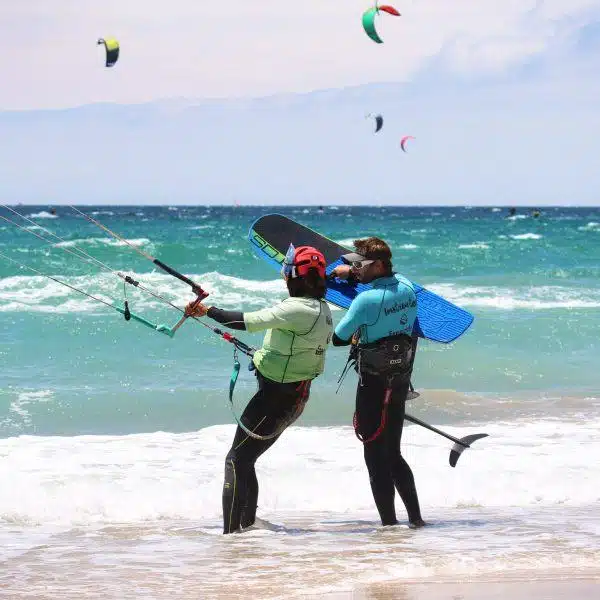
point(113, 437)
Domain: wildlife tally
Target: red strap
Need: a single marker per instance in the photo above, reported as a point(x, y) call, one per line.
point(303, 390)
point(378, 431)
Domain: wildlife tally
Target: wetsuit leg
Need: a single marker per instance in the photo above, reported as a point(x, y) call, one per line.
point(402, 474)
point(369, 406)
point(387, 468)
point(271, 407)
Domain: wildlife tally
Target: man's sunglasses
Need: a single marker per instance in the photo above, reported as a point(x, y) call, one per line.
point(361, 264)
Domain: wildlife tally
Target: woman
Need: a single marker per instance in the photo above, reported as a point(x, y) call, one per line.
point(293, 353)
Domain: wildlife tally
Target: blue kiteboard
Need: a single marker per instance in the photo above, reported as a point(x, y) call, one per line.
point(271, 235)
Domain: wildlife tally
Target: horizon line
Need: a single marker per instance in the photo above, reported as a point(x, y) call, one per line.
point(233, 205)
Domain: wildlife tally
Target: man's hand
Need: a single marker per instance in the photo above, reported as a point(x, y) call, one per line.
point(194, 309)
point(341, 271)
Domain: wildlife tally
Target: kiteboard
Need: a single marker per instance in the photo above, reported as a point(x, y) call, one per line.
point(270, 236)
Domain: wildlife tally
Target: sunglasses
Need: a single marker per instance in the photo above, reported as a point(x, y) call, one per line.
point(361, 264)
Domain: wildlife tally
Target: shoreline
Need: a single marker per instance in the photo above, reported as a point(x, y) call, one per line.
point(160, 586)
point(548, 587)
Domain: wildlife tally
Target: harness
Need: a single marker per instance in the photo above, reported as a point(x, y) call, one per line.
point(390, 359)
point(303, 388)
point(303, 391)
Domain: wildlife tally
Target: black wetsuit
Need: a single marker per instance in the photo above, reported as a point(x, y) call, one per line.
point(385, 463)
point(274, 407)
point(386, 466)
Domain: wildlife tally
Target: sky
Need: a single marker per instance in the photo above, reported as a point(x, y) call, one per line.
point(533, 65)
point(199, 48)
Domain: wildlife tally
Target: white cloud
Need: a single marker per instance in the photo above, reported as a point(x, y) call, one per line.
point(199, 48)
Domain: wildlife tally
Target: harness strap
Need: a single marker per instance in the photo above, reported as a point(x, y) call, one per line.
point(303, 390)
point(382, 424)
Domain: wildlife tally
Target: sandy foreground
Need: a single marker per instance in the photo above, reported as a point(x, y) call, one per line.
point(586, 589)
point(339, 560)
point(536, 586)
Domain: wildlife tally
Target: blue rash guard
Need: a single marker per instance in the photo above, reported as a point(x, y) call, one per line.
point(389, 308)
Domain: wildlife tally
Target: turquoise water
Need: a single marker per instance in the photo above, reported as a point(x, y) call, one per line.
point(70, 365)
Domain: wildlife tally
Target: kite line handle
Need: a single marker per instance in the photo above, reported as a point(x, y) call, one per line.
point(195, 287)
point(197, 301)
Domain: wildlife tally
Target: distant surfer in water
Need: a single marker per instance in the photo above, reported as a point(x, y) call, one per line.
point(299, 330)
point(379, 325)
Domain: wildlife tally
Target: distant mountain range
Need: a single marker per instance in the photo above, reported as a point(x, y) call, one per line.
point(527, 138)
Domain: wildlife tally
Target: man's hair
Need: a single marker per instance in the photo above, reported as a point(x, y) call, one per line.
point(375, 248)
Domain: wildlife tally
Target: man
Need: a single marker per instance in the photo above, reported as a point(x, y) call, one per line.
point(381, 320)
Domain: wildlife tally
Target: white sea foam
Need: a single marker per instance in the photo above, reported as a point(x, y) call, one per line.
point(107, 479)
point(120, 515)
point(346, 242)
point(532, 298)
point(591, 226)
point(42, 215)
point(25, 399)
point(474, 246)
point(138, 242)
point(526, 236)
point(409, 247)
point(39, 294)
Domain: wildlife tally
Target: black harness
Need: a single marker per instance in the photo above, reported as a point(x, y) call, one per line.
point(391, 359)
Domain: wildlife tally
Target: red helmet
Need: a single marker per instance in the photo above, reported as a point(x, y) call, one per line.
point(305, 258)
